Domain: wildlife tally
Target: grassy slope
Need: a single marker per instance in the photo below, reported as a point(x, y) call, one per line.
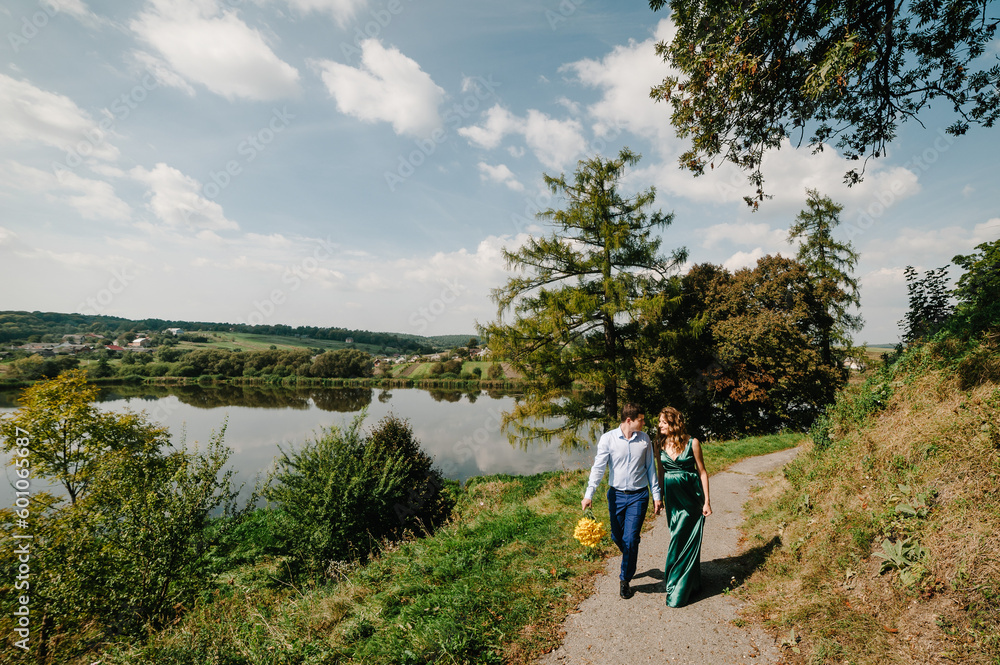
point(913, 465)
point(492, 586)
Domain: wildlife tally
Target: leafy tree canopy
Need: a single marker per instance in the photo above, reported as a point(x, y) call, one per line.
point(69, 435)
point(978, 289)
point(577, 297)
point(752, 75)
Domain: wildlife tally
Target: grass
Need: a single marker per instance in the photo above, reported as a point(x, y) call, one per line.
point(254, 342)
point(888, 535)
point(492, 586)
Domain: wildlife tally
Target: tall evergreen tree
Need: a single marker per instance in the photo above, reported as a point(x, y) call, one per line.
point(830, 263)
point(576, 300)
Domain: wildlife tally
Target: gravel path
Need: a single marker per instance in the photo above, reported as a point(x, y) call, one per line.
point(611, 631)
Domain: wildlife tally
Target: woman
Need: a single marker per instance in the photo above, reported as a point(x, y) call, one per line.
point(684, 482)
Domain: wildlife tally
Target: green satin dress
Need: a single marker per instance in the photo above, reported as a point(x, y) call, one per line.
point(683, 499)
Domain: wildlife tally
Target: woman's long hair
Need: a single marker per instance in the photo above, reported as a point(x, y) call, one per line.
point(677, 439)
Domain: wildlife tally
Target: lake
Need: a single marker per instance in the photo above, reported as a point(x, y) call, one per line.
point(460, 430)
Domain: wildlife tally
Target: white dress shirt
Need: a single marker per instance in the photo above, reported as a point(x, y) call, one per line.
point(629, 463)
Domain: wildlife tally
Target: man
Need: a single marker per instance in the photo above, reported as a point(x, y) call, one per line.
point(627, 452)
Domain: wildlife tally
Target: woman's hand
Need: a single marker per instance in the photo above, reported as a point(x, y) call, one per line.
point(706, 510)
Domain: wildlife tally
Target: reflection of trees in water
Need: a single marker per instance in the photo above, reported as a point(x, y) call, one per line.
point(146, 393)
point(500, 393)
point(210, 397)
point(265, 397)
point(344, 400)
point(445, 395)
point(8, 399)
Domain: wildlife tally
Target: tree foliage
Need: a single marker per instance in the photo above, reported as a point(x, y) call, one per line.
point(930, 306)
point(830, 265)
point(978, 289)
point(753, 75)
point(576, 299)
point(739, 354)
point(124, 550)
point(70, 436)
point(341, 494)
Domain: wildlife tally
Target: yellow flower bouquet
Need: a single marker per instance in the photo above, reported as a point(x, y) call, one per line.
point(589, 531)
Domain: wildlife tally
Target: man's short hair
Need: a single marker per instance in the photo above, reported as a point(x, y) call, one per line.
point(630, 411)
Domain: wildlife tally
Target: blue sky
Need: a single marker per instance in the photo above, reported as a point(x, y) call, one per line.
point(361, 163)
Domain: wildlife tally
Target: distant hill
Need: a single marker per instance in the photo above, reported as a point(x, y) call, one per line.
point(22, 326)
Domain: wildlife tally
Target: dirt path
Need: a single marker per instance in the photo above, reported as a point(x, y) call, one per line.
point(612, 631)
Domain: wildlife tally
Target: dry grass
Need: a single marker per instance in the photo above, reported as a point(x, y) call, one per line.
point(834, 508)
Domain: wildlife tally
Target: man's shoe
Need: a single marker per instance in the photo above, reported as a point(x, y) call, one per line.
point(626, 591)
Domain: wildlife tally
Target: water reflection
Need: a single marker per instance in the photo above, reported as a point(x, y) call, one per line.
point(343, 400)
point(460, 430)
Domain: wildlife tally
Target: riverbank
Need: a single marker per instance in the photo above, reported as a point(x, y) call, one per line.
point(491, 586)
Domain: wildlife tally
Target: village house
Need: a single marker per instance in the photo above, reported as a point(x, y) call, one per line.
point(67, 348)
point(43, 349)
point(855, 364)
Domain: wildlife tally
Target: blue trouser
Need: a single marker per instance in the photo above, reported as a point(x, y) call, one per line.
point(626, 513)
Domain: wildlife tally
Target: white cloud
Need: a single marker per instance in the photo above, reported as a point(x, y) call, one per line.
point(500, 174)
point(176, 201)
point(625, 76)
point(215, 48)
point(743, 259)
point(388, 87)
point(7, 237)
point(555, 143)
point(131, 245)
point(788, 173)
point(162, 72)
point(72, 7)
point(32, 115)
point(93, 199)
point(941, 244)
point(340, 10)
point(745, 233)
point(499, 122)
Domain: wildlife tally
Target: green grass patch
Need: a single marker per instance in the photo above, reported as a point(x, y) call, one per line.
point(491, 586)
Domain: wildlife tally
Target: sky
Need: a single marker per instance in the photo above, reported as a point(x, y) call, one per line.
point(362, 163)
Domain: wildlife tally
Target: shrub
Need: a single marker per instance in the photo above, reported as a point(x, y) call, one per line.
point(341, 494)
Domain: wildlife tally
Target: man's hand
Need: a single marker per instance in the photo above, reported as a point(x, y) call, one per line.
point(657, 507)
point(586, 504)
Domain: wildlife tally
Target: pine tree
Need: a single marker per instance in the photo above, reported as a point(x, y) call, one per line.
point(577, 300)
point(830, 263)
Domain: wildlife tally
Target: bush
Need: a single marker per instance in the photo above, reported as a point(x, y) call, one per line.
point(341, 494)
